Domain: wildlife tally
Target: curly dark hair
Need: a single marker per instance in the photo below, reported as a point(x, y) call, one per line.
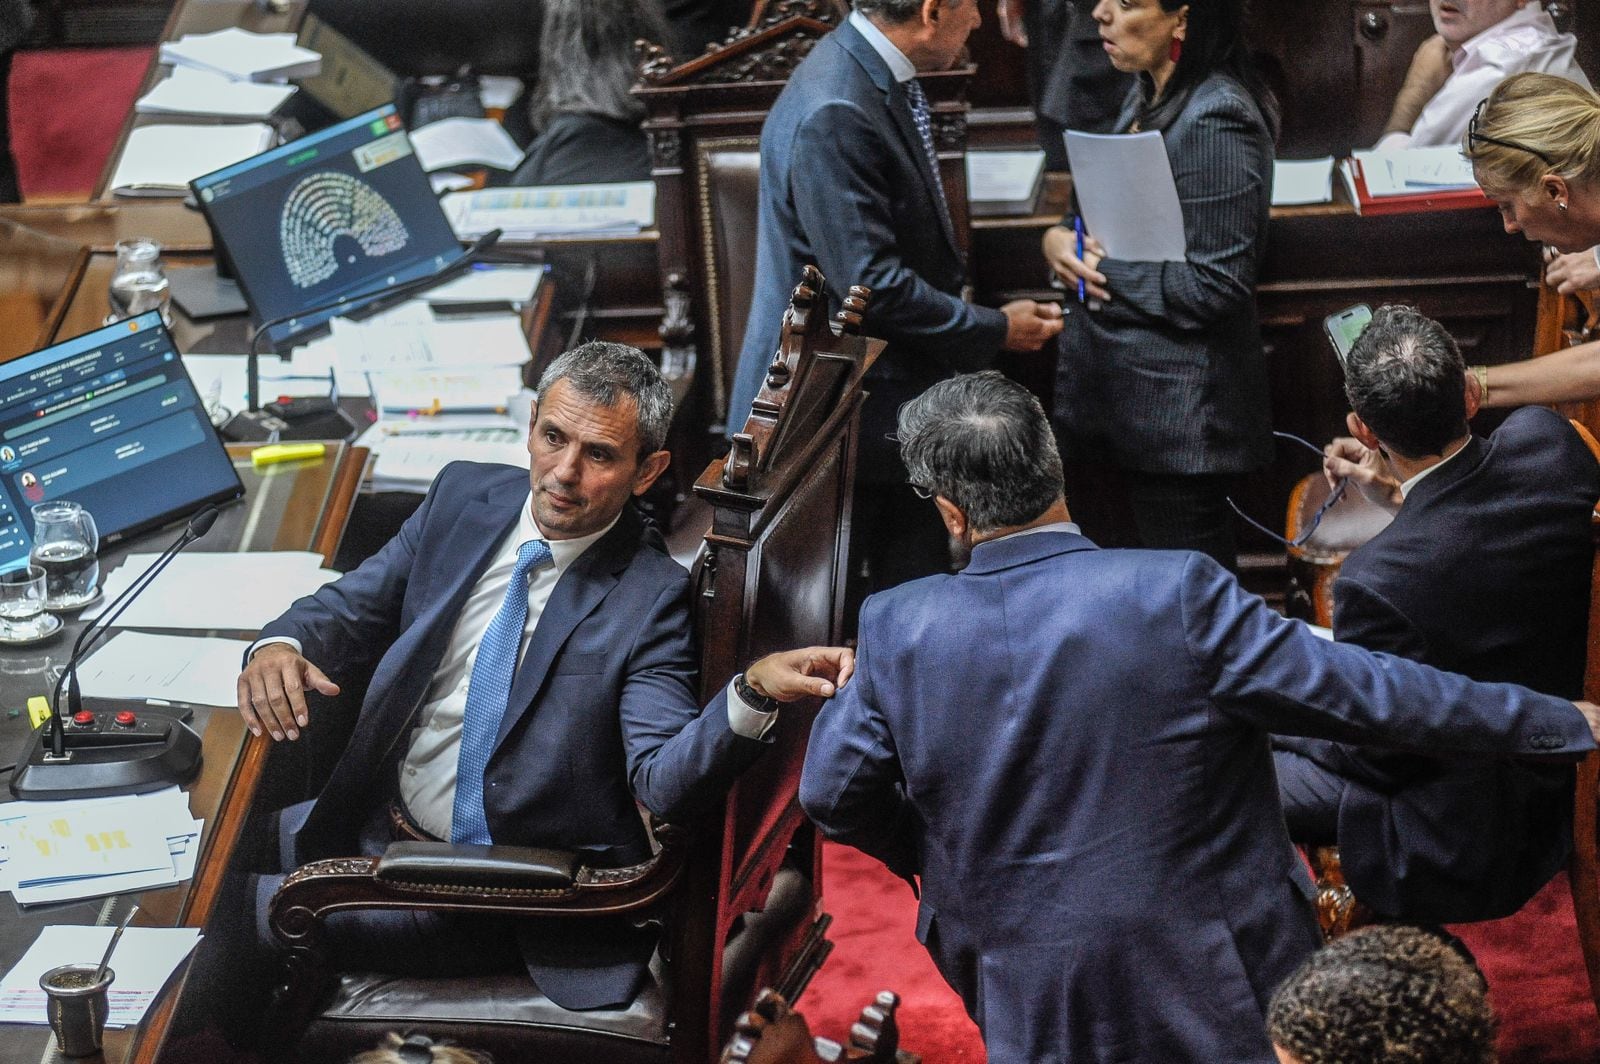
point(1384, 995)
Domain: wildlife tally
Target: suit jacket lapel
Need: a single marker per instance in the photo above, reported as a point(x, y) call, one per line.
point(899, 108)
point(1457, 468)
point(580, 590)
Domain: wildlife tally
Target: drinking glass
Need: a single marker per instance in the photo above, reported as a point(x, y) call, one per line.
point(22, 615)
point(64, 543)
point(140, 281)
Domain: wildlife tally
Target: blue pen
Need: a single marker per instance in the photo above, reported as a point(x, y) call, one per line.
point(1077, 227)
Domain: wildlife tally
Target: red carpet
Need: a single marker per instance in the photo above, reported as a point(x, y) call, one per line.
point(66, 108)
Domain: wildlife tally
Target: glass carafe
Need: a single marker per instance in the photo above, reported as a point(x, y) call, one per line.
point(64, 543)
point(140, 281)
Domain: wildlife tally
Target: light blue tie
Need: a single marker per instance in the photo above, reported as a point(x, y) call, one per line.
point(923, 119)
point(487, 694)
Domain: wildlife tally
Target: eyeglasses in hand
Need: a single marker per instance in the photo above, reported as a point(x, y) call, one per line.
point(1316, 519)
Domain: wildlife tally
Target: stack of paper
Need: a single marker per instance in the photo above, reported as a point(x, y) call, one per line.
point(192, 91)
point(1004, 182)
point(243, 56)
point(60, 851)
point(1408, 171)
point(220, 591)
point(465, 142)
point(407, 455)
point(413, 361)
point(161, 160)
point(144, 960)
point(530, 213)
point(1296, 181)
point(170, 668)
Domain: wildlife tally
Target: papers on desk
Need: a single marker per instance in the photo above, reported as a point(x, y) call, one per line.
point(173, 668)
point(161, 160)
point(191, 91)
point(1004, 182)
point(226, 592)
point(465, 142)
point(554, 210)
point(243, 55)
point(507, 284)
point(144, 960)
point(407, 455)
point(411, 338)
point(1124, 186)
point(1297, 181)
point(62, 851)
point(1410, 179)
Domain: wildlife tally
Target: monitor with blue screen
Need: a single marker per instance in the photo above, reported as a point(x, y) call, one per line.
point(340, 216)
point(112, 421)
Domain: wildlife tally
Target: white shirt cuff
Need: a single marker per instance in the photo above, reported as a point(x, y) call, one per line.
point(745, 721)
point(267, 642)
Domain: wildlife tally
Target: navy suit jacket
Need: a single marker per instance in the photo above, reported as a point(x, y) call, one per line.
point(847, 187)
point(1484, 571)
point(602, 710)
point(1070, 746)
point(1169, 375)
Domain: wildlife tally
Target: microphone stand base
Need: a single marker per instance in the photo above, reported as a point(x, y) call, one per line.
point(263, 426)
point(107, 759)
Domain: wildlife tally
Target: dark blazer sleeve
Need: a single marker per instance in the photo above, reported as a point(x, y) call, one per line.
point(839, 181)
point(1222, 167)
point(852, 787)
point(1365, 617)
point(679, 760)
point(1276, 675)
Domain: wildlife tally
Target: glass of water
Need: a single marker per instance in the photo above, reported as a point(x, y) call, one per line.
point(22, 615)
point(64, 543)
point(140, 281)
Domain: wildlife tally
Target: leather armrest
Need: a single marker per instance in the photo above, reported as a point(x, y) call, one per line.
point(478, 866)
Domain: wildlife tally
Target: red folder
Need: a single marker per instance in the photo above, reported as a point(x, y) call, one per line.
point(1444, 199)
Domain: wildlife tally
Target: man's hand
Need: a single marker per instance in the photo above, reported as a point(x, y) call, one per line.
point(1009, 16)
point(1591, 713)
point(1061, 252)
point(272, 690)
point(794, 674)
point(1577, 272)
point(1346, 457)
point(1030, 324)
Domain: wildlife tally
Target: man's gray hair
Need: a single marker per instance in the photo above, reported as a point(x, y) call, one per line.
point(606, 373)
point(983, 442)
point(895, 10)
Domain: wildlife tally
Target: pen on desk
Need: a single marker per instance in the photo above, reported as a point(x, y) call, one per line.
point(1077, 229)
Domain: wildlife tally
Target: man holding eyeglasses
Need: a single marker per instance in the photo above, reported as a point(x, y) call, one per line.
point(1484, 571)
point(1068, 747)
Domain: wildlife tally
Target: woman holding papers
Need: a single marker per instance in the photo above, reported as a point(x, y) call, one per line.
point(1535, 149)
point(1161, 379)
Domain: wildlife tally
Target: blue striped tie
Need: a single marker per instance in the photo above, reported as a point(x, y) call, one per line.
point(924, 123)
point(487, 694)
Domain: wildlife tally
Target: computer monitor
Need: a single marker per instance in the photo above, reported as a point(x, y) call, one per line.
point(350, 81)
point(110, 420)
point(338, 217)
point(417, 37)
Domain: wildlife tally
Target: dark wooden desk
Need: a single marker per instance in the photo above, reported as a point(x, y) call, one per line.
point(302, 506)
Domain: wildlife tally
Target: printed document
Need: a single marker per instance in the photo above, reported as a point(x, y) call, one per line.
point(1124, 186)
point(144, 960)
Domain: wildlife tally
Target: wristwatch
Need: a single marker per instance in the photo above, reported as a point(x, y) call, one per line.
point(751, 697)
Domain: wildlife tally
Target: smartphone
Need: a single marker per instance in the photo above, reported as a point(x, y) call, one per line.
point(1344, 327)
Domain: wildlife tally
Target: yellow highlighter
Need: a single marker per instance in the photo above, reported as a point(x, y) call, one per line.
point(286, 452)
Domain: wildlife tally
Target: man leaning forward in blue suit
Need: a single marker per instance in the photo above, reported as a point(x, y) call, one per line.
point(530, 674)
point(1069, 746)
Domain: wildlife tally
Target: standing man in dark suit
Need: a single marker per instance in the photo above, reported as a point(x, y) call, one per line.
point(1070, 747)
point(1484, 571)
point(1071, 82)
point(529, 671)
point(850, 184)
point(16, 16)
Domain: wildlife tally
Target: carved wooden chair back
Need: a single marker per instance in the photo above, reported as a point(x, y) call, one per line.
point(772, 1032)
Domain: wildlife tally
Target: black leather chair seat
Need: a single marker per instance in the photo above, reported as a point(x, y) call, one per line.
point(497, 1014)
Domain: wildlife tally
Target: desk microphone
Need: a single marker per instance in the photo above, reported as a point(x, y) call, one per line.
point(113, 751)
point(253, 425)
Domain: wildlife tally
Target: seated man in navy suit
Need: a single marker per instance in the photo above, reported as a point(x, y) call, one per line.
point(1069, 746)
point(530, 675)
point(1484, 571)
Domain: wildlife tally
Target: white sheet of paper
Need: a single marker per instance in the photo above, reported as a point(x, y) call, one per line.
point(243, 55)
point(410, 338)
point(1003, 176)
point(513, 284)
point(166, 811)
point(83, 844)
point(172, 667)
point(524, 213)
point(184, 849)
point(1124, 186)
point(224, 591)
point(161, 160)
point(144, 960)
point(1302, 181)
point(410, 462)
point(465, 142)
point(192, 91)
point(1407, 171)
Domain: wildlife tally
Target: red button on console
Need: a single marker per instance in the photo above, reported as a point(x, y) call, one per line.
point(127, 719)
point(83, 717)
